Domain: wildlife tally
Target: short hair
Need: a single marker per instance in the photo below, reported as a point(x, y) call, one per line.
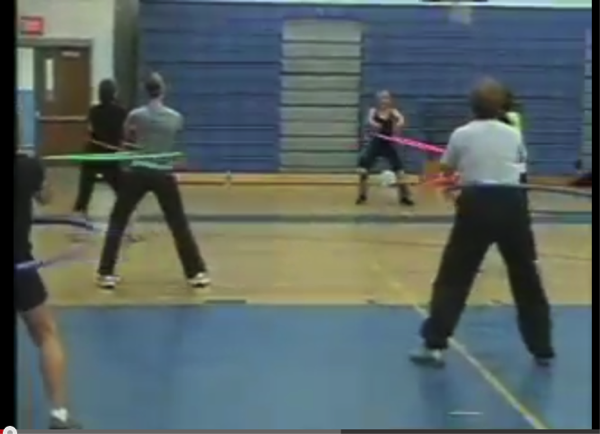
point(107, 91)
point(488, 99)
point(154, 86)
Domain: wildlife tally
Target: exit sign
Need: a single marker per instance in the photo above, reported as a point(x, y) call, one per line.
point(31, 26)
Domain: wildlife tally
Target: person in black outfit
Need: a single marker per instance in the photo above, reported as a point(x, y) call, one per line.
point(155, 127)
point(386, 120)
point(31, 295)
point(485, 153)
point(106, 121)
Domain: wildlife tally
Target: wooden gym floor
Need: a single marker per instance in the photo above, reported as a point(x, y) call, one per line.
point(314, 306)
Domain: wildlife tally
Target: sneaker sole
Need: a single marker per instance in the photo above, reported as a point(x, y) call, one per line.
point(427, 362)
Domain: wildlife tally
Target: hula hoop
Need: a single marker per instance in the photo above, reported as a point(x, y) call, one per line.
point(35, 264)
point(117, 156)
point(426, 147)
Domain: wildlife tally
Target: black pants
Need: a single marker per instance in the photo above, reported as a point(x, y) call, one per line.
point(30, 291)
point(380, 148)
point(484, 217)
point(135, 184)
point(88, 176)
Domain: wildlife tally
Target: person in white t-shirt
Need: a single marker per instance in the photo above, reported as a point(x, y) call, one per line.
point(490, 210)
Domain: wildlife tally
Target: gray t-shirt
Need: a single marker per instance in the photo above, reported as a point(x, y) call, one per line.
point(156, 127)
point(486, 151)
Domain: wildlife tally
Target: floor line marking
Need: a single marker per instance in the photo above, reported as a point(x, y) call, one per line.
point(488, 376)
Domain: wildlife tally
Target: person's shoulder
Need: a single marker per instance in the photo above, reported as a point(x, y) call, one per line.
point(95, 109)
point(118, 108)
point(173, 112)
point(137, 112)
point(463, 130)
point(507, 130)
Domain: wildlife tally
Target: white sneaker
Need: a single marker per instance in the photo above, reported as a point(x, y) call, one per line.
point(200, 281)
point(107, 283)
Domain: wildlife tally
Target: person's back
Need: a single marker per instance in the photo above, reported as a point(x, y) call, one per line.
point(156, 127)
point(29, 174)
point(106, 119)
point(106, 125)
point(487, 151)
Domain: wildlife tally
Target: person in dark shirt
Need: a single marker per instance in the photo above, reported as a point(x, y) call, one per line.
point(31, 295)
point(385, 119)
point(106, 121)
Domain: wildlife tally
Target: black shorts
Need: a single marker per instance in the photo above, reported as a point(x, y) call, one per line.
point(29, 290)
point(380, 148)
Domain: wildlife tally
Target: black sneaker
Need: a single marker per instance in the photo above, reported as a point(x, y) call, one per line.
point(361, 199)
point(544, 361)
point(56, 423)
point(405, 201)
point(429, 358)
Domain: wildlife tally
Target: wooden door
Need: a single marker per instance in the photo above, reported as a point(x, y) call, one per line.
point(63, 94)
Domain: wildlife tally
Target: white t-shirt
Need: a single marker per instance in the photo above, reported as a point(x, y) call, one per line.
point(486, 151)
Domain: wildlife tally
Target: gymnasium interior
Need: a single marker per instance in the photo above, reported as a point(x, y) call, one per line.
point(316, 303)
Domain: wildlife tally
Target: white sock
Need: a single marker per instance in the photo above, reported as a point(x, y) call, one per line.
point(60, 413)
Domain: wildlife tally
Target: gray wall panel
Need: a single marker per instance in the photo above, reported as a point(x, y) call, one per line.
point(314, 82)
point(322, 31)
point(319, 98)
point(322, 129)
point(323, 66)
point(318, 114)
point(342, 144)
point(321, 50)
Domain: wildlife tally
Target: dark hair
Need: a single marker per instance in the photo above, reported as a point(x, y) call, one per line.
point(154, 86)
point(107, 91)
point(488, 100)
point(510, 103)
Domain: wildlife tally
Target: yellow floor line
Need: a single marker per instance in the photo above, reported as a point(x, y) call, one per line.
point(496, 383)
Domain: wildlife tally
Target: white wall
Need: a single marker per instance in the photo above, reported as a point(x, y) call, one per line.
point(89, 19)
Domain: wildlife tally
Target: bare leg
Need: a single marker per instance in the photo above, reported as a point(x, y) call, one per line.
point(43, 331)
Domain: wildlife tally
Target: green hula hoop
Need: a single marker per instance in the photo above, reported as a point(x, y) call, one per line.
point(117, 156)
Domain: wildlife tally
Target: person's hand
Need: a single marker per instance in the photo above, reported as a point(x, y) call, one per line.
point(450, 194)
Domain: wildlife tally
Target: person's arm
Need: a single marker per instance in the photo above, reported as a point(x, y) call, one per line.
point(181, 122)
point(515, 120)
point(371, 119)
point(91, 121)
point(450, 158)
point(129, 127)
point(399, 120)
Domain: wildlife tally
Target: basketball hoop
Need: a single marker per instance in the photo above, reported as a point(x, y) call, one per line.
point(461, 12)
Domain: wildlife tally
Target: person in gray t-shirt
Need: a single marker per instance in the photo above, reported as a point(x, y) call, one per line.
point(491, 209)
point(155, 128)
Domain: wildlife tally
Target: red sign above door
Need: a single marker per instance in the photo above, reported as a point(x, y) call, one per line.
point(31, 25)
